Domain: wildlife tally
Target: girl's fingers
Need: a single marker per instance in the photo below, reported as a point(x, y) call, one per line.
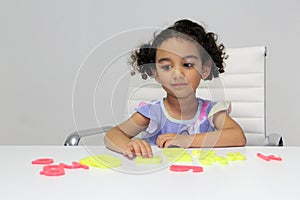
point(166, 140)
point(136, 149)
point(146, 149)
point(162, 139)
point(139, 148)
point(129, 151)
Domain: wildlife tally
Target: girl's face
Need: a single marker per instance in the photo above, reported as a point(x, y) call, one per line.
point(179, 68)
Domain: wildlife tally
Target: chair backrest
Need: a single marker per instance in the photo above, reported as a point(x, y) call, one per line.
point(243, 83)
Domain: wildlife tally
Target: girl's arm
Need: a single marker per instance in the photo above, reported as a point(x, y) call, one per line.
point(228, 134)
point(119, 137)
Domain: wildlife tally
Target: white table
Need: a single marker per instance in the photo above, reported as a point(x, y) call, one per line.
point(250, 179)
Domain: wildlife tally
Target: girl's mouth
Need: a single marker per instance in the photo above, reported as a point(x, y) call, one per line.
point(179, 85)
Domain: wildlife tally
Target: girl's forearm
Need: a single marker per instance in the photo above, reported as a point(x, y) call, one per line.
point(221, 138)
point(116, 140)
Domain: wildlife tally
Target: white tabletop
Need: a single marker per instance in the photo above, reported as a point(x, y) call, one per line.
point(253, 178)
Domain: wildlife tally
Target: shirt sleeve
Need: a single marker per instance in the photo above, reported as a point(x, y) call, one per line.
point(144, 109)
point(220, 106)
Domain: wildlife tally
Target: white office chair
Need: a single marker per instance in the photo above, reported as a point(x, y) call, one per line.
point(243, 84)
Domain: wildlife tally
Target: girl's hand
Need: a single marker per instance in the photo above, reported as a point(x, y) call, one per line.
point(172, 139)
point(138, 148)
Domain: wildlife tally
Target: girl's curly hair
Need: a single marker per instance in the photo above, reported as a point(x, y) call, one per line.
point(143, 58)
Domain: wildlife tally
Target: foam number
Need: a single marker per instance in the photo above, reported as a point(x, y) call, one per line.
point(56, 170)
point(53, 170)
point(177, 155)
point(75, 165)
point(185, 168)
point(153, 160)
point(268, 158)
point(43, 161)
point(101, 161)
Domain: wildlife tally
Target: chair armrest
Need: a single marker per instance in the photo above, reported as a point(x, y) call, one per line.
point(262, 140)
point(274, 139)
point(74, 138)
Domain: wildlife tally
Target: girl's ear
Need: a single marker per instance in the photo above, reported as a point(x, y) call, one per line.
point(206, 69)
point(155, 74)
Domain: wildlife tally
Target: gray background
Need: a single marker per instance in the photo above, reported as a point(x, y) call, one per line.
point(46, 45)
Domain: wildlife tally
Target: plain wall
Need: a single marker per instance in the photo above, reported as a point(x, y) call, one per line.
point(62, 61)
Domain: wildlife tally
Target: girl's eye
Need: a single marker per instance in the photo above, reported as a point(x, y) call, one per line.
point(188, 65)
point(166, 67)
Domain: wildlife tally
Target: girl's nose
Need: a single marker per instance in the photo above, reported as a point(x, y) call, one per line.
point(178, 72)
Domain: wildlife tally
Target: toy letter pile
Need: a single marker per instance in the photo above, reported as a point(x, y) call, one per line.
point(181, 161)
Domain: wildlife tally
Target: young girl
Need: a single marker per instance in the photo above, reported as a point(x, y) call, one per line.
point(178, 58)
